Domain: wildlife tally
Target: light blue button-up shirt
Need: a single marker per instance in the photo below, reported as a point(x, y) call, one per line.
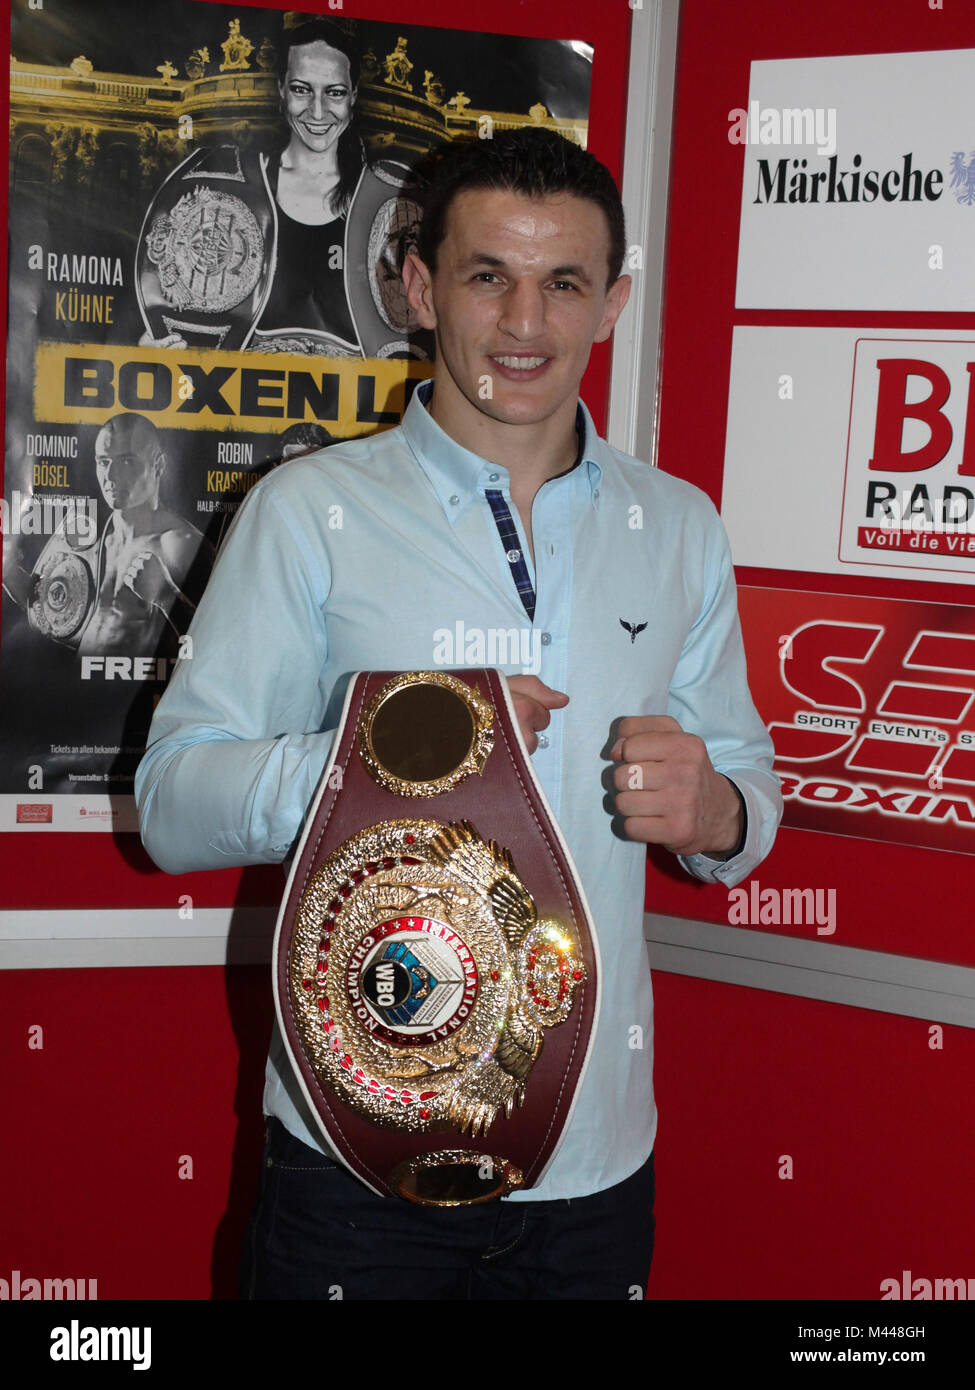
point(383, 554)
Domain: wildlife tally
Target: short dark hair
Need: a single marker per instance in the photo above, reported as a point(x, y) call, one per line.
point(529, 160)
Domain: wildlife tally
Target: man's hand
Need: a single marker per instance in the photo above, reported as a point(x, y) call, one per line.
point(532, 700)
point(668, 792)
point(150, 580)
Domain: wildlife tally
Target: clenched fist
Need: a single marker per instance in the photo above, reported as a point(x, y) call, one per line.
point(668, 792)
point(150, 580)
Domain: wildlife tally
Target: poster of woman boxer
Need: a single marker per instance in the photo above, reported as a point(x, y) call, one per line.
point(209, 212)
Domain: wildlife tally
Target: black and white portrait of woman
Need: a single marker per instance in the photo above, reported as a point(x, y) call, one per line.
point(297, 249)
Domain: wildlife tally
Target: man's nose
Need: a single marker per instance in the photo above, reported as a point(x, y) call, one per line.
point(523, 310)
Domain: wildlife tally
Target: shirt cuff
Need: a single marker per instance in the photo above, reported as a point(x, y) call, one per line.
point(719, 868)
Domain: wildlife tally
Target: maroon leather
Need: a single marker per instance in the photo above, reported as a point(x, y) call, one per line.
point(503, 804)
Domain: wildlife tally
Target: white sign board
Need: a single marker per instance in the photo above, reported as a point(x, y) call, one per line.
point(859, 183)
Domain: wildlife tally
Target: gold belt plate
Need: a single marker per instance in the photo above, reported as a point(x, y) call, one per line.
point(422, 978)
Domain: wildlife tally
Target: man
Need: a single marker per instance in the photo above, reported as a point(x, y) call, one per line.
point(147, 552)
point(492, 503)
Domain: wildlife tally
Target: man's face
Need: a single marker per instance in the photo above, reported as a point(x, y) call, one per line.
point(317, 95)
point(128, 470)
point(518, 298)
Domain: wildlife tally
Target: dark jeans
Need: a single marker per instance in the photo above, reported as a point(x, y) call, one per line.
point(317, 1232)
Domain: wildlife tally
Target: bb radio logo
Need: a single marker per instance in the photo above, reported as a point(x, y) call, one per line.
point(909, 484)
point(871, 706)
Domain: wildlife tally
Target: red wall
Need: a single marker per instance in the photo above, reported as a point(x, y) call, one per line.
point(142, 1067)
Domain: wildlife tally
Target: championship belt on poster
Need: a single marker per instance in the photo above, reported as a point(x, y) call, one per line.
point(206, 250)
point(383, 221)
point(435, 967)
point(63, 587)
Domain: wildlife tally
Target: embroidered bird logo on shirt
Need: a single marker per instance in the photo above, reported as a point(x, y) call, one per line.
point(632, 629)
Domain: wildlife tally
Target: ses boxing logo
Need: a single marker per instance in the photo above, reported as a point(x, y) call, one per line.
point(909, 486)
point(871, 706)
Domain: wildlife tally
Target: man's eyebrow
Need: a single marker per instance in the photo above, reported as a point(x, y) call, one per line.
point(576, 272)
point(482, 258)
point(558, 272)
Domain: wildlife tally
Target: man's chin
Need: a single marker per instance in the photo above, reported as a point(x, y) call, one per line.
point(520, 411)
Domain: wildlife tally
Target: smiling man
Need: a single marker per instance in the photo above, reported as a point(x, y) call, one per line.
point(493, 506)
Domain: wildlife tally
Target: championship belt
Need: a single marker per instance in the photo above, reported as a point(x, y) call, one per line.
point(435, 967)
point(63, 587)
point(381, 228)
point(206, 250)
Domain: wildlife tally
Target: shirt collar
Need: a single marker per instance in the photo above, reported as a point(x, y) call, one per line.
point(458, 476)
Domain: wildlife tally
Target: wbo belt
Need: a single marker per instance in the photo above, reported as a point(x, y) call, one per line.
point(435, 966)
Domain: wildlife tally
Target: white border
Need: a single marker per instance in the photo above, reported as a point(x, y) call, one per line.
point(633, 398)
point(811, 969)
point(330, 1145)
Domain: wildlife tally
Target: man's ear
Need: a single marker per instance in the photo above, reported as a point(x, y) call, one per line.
point(419, 290)
point(616, 297)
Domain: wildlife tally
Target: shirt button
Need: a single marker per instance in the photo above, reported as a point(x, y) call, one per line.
point(513, 556)
point(454, 500)
point(596, 493)
point(493, 477)
point(546, 639)
point(542, 741)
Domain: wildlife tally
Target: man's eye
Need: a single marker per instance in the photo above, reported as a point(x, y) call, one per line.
point(486, 276)
point(563, 285)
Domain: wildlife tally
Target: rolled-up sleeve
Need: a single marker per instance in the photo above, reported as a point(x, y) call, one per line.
point(236, 746)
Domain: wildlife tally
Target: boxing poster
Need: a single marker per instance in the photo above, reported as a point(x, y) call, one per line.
point(209, 213)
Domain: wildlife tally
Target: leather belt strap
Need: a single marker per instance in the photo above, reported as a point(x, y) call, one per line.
point(435, 963)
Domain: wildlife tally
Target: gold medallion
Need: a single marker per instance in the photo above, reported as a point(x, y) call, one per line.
point(423, 732)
